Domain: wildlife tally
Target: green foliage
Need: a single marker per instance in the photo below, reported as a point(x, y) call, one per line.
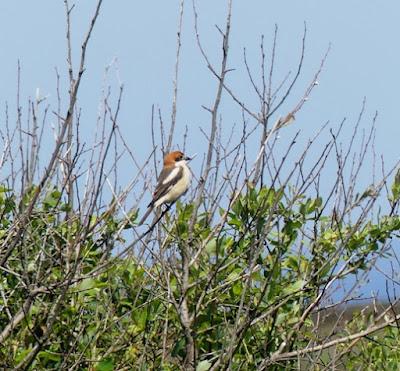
point(396, 187)
point(381, 350)
point(250, 282)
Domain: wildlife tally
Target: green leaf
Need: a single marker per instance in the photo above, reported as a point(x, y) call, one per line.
point(281, 318)
point(292, 262)
point(203, 366)
point(211, 246)
point(65, 207)
point(4, 189)
point(141, 319)
point(48, 356)
point(234, 274)
point(296, 286)
point(396, 186)
point(179, 347)
point(105, 365)
point(234, 221)
point(237, 288)
point(87, 284)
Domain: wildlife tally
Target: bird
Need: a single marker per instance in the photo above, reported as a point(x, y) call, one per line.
point(173, 181)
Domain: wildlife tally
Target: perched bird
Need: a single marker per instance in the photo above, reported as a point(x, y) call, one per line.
point(173, 182)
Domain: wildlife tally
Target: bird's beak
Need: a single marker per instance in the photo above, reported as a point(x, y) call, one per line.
point(187, 158)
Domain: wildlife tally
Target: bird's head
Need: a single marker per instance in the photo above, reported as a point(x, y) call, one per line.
point(172, 158)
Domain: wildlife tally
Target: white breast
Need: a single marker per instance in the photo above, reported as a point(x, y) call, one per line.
point(179, 188)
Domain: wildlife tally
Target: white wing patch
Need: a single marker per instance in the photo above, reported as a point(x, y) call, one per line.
point(171, 175)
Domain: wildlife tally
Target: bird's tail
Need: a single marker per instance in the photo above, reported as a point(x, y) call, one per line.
point(146, 214)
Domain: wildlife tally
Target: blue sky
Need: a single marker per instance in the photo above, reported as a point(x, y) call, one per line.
point(141, 37)
point(363, 60)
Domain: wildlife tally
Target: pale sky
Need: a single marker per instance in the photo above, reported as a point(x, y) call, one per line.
point(363, 61)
